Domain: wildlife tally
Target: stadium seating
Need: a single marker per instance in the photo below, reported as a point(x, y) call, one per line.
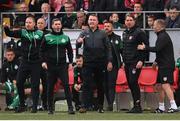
point(176, 78)
point(147, 79)
point(121, 82)
point(59, 85)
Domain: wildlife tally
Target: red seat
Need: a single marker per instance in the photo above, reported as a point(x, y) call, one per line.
point(59, 85)
point(147, 79)
point(121, 78)
point(121, 82)
point(148, 76)
point(71, 77)
point(176, 78)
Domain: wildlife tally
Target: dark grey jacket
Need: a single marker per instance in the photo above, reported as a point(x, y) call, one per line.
point(96, 46)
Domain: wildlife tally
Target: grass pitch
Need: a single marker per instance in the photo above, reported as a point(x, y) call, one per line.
point(63, 115)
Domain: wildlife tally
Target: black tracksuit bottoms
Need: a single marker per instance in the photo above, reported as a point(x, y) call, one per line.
point(132, 75)
point(93, 74)
point(26, 69)
point(54, 73)
point(43, 77)
point(110, 84)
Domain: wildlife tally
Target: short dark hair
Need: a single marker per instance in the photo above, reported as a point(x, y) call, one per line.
point(32, 17)
point(55, 19)
point(130, 15)
point(10, 50)
point(79, 56)
point(93, 14)
point(151, 16)
point(108, 22)
point(138, 3)
point(70, 2)
point(174, 7)
point(41, 18)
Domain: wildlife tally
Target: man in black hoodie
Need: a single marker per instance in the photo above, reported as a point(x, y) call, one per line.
point(30, 64)
point(166, 64)
point(53, 54)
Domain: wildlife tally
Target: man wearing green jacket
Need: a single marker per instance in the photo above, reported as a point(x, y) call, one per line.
point(53, 54)
point(30, 64)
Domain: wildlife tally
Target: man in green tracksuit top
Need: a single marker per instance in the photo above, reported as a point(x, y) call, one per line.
point(30, 64)
point(53, 54)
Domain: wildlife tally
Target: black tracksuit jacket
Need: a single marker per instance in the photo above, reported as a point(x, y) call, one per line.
point(131, 39)
point(164, 50)
point(9, 70)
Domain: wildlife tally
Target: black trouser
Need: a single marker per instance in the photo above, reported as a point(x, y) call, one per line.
point(93, 73)
point(55, 72)
point(43, 76)
point(110, 84)
point(76, 97)
point(26, 69)
point(132, 75)
point(9, 99)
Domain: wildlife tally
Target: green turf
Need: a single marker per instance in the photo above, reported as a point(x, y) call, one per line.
point(62, 115)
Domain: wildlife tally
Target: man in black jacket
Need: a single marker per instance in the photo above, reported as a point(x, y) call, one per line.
point(110, 83)
point(19, 18)
point(78, 81)
point(53, 53)
point(166, 63)
point(173, 21)
point(8, 74)
point(133, 59)
point(30, 64)
point(97, 54)
point(41, 25)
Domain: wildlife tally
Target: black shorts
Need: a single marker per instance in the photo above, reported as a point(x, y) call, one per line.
point(165, 76)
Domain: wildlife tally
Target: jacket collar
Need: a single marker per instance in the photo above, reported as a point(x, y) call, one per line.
point(57, 33)
point(160, 32)
point(131, 29)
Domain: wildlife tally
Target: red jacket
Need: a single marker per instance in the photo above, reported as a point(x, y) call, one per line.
point(129, 4)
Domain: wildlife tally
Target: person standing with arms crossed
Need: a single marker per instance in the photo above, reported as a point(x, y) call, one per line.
point(97, 58)
point(166, 65)
point(53, 54)
point(133, 59)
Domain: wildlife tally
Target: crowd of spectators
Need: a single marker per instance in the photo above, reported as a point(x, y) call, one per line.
point(75, 12)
